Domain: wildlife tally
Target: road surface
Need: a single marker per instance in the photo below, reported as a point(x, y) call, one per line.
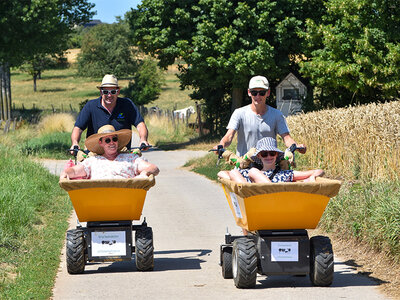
point(189, 215)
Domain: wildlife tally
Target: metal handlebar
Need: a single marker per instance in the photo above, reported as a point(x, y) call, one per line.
point(220, 150)
point(141, 147)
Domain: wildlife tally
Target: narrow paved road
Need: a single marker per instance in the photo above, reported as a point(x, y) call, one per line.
point(189, 215)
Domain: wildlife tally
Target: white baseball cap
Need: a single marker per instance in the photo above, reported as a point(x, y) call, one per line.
point(258, 82)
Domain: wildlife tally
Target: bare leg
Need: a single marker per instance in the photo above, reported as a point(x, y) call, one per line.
point(258, 176)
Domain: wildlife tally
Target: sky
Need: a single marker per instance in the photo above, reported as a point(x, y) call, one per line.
point(107, 10)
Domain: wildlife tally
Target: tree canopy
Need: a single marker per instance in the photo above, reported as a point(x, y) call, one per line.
point(34, 28)
point(38, 27)
point(106, 50)
point(353, 52)
point(222, 42)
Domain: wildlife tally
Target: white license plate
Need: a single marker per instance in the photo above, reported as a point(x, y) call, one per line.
point(284, 251)
point(108, 243)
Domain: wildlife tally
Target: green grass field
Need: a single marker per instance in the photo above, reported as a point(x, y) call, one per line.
point(62, 88)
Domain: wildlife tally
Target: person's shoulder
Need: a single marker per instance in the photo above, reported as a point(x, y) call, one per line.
point(243, 110)
point(93, 102)
point(125, 101)
point(274, 110)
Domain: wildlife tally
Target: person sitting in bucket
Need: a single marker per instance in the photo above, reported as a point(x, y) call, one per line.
point(109, 163)
point(267, 152)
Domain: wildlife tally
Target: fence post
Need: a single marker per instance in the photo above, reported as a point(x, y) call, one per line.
point(7, 126)
point(52, 107)
point(198, 109)
point(14, 124)
point(70, 106)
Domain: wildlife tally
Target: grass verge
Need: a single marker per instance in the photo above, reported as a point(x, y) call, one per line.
point(32, 227)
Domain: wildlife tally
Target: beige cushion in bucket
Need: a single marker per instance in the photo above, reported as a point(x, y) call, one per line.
point(322, 186)
point(133, 183)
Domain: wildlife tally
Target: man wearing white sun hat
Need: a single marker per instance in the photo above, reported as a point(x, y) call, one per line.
point(256, 120)
point(109, 109)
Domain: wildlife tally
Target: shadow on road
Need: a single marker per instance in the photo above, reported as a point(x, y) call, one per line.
point(190, 261)
point(344, 276)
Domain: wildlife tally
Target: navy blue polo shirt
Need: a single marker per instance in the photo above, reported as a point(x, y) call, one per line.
point(94, 115)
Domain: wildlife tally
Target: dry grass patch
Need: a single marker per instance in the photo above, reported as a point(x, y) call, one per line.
point(56, 123)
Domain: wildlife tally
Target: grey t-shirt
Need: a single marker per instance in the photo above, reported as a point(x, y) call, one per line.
point(250, 127)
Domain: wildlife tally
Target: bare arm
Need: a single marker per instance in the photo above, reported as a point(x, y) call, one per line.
point(76, 136)
point(235, 175)
point(307, 175)
point(73, 172)
point(146, 168)
point(227, 139)
point(143, 132)
point(289, 141)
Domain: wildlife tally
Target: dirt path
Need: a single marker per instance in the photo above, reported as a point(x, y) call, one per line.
point(189, 215)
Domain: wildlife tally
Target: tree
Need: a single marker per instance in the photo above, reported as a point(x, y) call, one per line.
point(146, 84)
point(223, 43)
point(35, 67)
point(40, 62)
point(30, 28)
point(106, 50)
point(353, 52)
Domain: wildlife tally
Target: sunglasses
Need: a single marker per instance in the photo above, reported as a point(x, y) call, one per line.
point(108, 140)
point(268, 153)
point(106, 92)
point(255, 93)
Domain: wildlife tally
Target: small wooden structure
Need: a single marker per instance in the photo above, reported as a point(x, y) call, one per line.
point(290, 93)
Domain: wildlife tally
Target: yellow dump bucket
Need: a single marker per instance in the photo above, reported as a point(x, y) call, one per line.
point(279, 206)
point(108, 199)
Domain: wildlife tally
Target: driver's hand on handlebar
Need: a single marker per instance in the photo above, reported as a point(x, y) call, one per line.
point(216, 148)
point(73, 149)
point(146, 143)
point(301, 148)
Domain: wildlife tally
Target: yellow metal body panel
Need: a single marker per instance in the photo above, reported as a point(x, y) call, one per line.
point(108, 204)
point(283, 210)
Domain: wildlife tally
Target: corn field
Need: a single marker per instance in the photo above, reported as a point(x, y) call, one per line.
point(357, 142)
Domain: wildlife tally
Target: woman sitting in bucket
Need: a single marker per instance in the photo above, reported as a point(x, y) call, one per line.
point(267, 152)
point(109, 163)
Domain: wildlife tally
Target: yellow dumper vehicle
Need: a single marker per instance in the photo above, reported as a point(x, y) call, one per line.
point(109, 207)
point(276, 217)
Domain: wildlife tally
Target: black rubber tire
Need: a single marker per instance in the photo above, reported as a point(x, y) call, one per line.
point(227, 263)
point(144, 250)
point(244, 263)
point(75, 249)
point(321, 261)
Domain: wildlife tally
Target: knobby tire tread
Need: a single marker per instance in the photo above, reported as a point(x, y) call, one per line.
point(75, 251)
point(246, 263)
point(144, 250)
point(322, 264)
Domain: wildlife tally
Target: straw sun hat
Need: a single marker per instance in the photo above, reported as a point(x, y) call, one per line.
point(109, 80)
point(92, 142)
